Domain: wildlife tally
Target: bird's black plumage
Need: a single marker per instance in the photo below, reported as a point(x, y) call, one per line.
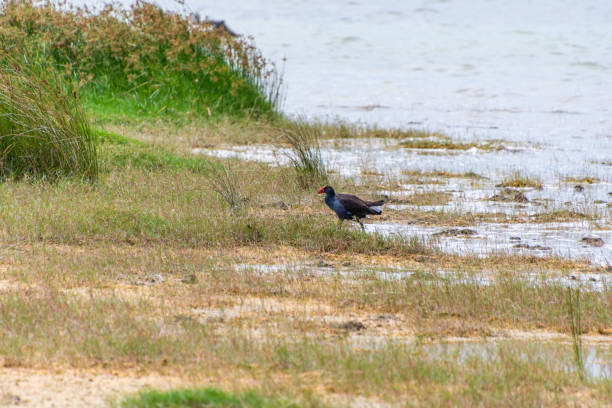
point(349, 206)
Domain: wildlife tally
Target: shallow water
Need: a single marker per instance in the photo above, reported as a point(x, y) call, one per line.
point(561, 239)
point(351, 158)
point(583, 281)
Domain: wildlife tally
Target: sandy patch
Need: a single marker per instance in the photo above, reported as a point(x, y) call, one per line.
point(67, 389)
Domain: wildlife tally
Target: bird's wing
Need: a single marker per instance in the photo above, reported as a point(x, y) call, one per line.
point(352, 204)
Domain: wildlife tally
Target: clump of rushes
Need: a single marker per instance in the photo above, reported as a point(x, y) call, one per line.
point(43, 131)
point(305, 156)
point(144, 61)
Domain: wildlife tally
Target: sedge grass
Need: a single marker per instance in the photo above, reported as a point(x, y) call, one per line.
point(575, 321)
point(224, 181)
point(42, 127)
point(519, 180)
point(305, 156)
point(143, 61)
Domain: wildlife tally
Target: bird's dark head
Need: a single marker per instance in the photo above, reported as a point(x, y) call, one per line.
point(326, 190)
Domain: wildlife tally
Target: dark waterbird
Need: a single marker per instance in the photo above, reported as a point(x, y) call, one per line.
point(350, 207)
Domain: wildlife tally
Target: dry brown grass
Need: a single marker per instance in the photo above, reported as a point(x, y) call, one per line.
point(138, 309)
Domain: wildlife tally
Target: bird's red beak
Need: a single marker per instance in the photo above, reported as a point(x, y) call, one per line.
point(321, 190)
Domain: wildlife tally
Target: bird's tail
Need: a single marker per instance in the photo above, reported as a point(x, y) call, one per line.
point(375, 207)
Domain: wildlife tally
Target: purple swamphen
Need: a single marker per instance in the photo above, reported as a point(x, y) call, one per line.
point(350, 207)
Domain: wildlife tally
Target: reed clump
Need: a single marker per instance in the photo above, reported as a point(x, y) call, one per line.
point(143, 60)
point(305, 155)
point(43, 131)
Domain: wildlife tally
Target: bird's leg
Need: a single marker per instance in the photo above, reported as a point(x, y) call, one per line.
point(360, 223)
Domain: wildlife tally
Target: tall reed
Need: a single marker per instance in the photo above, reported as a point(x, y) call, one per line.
point(43, 131)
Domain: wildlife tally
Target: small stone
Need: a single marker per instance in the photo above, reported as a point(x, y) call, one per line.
point(323, 264)
point(282, 205)
point(514, 238)
point(183, 319)
point(523, 246)
point(533, 247)
point(150, 280)
point(593, 241)
point(578, 188)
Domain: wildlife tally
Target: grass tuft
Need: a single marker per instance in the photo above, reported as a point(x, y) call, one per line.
point(43, 131)
point(305, 156)
point(223, 180)
point(574, 315)
point(519, 180)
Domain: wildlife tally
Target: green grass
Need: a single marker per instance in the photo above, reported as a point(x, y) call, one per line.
point(206, 397)
point(124, 152)
point(43, 131)
point(148, 193)
point(144, 62)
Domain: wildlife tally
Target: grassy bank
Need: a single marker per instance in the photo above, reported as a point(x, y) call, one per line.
point(143, 61)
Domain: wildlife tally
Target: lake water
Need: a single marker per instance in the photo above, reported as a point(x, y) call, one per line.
point(540, 71)
point(522, 70)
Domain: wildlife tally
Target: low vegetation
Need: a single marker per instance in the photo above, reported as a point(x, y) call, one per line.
point(206, 397)
point(445, 143)
point(519, 180)
point(305, 156)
